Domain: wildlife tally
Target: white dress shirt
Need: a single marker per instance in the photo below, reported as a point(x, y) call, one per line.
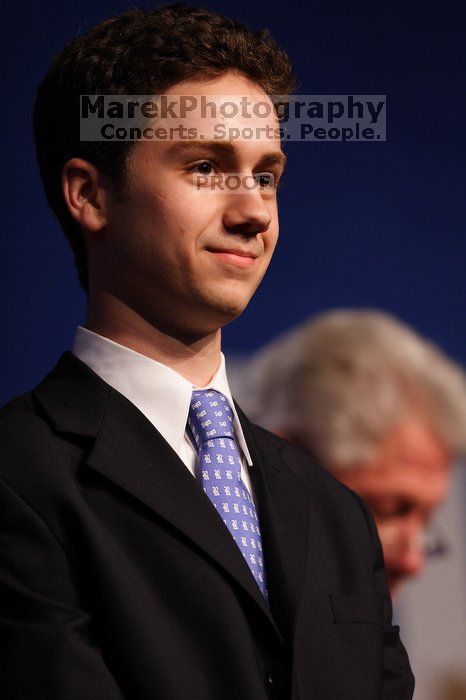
point(159, 392)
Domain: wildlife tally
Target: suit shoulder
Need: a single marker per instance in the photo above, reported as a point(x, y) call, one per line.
point(20, 417)
point(17, 416)
point(27, 440)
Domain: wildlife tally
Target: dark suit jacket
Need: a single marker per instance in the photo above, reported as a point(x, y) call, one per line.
point(119, 580)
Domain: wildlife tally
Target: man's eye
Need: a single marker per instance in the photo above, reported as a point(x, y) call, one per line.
point(391, 511)
point(203, 168)
point(266, 181)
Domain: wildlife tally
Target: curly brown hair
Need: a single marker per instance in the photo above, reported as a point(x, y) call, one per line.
point(140, 52)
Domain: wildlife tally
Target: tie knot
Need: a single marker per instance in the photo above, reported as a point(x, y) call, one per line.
point(210, 416)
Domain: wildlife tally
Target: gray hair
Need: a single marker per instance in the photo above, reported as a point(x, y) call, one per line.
point(341, 380)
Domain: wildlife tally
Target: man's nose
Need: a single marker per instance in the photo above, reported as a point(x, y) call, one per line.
point(405, 556)
point(247, 214)
point(410, 560)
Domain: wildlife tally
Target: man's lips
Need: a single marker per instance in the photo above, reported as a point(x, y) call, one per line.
point(239, 258)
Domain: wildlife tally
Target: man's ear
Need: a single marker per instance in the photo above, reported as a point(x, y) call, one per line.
point(84, 193)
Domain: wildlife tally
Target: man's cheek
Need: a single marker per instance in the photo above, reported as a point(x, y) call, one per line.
point(272, 240)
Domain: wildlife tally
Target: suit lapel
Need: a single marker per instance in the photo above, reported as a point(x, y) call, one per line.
point(284, 518)
point(131, 453)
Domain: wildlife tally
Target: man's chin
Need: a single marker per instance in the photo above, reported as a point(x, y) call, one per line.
point(209, 312)
point(227, 307)
point(228, 312)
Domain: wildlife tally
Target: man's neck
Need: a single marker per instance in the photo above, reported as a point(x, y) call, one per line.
point(194, 358)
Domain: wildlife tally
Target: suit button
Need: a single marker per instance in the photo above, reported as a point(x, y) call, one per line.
point(275, 679)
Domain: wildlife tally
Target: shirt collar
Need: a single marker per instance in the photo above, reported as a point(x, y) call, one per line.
point(159, 392)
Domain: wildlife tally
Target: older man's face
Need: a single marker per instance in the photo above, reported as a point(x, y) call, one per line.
point(403, 484)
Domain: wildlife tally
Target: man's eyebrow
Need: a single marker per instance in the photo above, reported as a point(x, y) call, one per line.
point(227, 148)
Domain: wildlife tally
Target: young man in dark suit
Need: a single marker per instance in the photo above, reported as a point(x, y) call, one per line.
point(155, 544)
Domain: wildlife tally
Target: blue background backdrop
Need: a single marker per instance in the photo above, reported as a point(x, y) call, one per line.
point(374, 224)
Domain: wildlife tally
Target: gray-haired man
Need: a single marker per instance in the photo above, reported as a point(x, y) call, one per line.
point(381, 407)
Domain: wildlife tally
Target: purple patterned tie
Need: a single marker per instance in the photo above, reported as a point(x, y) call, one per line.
point(211, 423)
